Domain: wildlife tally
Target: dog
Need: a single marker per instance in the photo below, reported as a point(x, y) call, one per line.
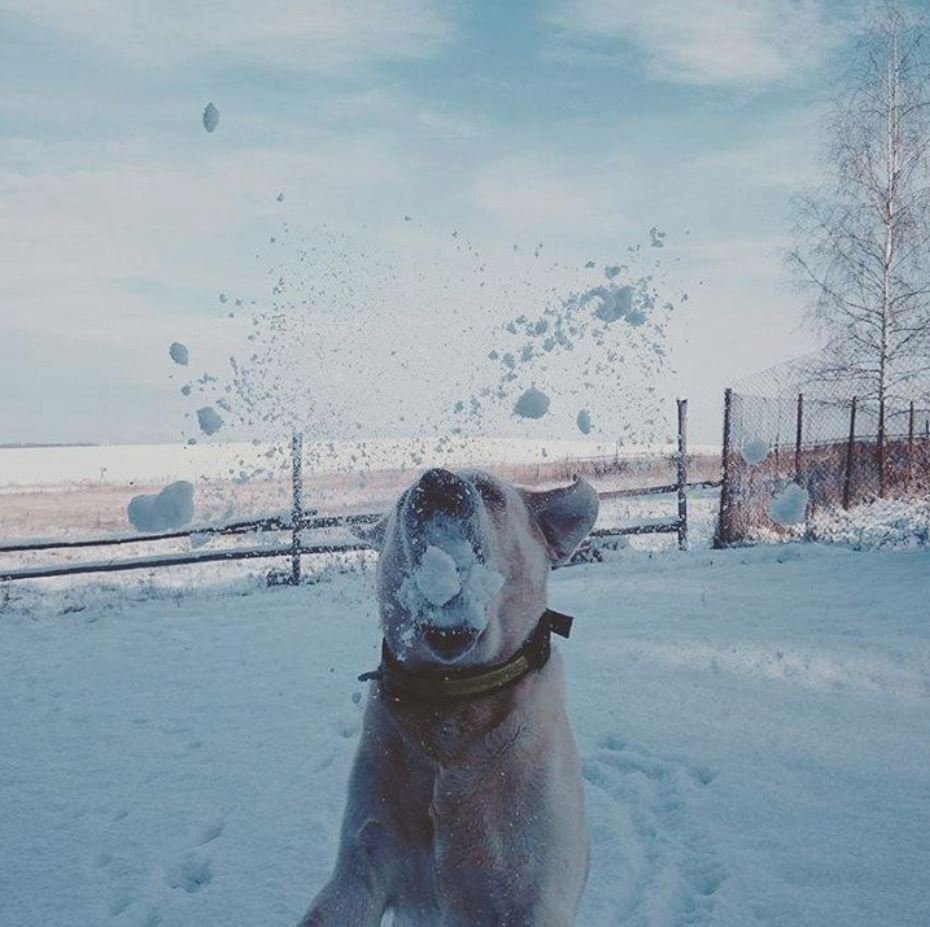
point(465, 803)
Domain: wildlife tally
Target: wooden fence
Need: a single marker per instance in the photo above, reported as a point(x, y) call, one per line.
point(301, 521)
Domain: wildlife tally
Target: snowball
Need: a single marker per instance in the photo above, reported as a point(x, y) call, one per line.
point(789, 507)
point(211, 117)
point(584, 421)
point(449, 586)
point(533, 403)
point(755, 451)
point(172, 508)
point(179, 353)
point(209, 419)
point(437, 577)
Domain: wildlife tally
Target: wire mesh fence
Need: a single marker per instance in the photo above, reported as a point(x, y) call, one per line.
point(788, 457)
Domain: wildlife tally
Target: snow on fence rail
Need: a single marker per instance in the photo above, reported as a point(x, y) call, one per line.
point(302, 521)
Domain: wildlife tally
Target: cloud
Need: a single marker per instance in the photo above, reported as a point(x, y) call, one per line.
point(530, 194)
point(314, 35)
point(702, 42)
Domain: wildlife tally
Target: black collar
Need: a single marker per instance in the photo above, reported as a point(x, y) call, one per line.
point(459, 684)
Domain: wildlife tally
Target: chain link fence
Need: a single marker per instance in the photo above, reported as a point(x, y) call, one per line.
point(788, 457)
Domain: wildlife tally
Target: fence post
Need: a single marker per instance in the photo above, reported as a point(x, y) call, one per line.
point(682, 474)
point(910, 447)
point(722, 535)
point(799, 439)
point(850, 454)
point(297, 484)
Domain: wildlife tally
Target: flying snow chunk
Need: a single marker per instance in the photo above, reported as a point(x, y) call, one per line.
point(789, 507)
point(611, 303)
point(280, 197)
point(584, 421)
point(612, 271)
point(437, 577)
point(211, 117)
point(179, 353)
point(209, 419)
point(534, 403)
point(755, 451)
point(172, 508)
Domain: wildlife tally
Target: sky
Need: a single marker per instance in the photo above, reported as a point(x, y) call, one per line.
point(410, 143)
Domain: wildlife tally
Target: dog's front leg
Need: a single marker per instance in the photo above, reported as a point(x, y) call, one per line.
point(347, 900)
point(356, 895)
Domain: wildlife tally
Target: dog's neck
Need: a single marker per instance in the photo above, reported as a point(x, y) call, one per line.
point(449, 734)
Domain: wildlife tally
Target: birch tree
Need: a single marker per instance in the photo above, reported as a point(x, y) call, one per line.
point(863, 242)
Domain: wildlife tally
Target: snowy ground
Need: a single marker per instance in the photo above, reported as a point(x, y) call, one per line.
point(755, 726)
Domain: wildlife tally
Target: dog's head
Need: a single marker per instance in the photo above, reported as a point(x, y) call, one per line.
point(463, 563)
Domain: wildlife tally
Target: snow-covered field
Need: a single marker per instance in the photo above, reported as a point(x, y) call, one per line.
point(755, 727)
point(161, 463)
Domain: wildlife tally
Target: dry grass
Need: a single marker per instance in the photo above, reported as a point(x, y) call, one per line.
point(91, 509)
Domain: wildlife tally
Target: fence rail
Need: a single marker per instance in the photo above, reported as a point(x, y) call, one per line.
point(302, 520)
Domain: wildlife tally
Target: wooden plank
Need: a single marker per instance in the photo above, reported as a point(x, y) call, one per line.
point(659, 527)
point(244, 527)
point(682, 463)
point(147, 563)
point(722, 534)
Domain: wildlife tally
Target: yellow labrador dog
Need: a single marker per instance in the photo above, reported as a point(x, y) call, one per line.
point(465, 804)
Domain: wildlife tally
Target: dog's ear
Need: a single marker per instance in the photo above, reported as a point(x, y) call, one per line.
point(565, 515)
point(371, 534)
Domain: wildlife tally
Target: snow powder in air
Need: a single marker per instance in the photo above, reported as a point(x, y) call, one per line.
point(172, 508)
point(179, 353)
point(789, 507)
point(209, 419)
point(610, 302)
point(534, 403)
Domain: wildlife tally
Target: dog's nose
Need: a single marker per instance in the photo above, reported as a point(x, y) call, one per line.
point(442, 491)
point(450, 643)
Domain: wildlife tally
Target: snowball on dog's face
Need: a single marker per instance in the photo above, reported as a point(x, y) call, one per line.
point(464, 561)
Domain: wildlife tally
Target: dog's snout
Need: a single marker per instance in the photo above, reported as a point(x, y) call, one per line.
point(442, 491)
point(450, 643)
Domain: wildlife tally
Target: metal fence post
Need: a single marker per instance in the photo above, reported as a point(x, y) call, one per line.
point(721, 538)
point(850, 454)
point(682, 474)
point(799, 439)
point(297, 514)
point(910, 447)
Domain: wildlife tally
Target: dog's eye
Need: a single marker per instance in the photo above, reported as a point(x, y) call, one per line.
point(490, 494)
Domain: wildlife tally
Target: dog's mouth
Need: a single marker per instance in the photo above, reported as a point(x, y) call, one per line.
point(449, 644)
point(448, 585)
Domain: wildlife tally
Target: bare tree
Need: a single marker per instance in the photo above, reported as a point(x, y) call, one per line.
point(863, 242)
